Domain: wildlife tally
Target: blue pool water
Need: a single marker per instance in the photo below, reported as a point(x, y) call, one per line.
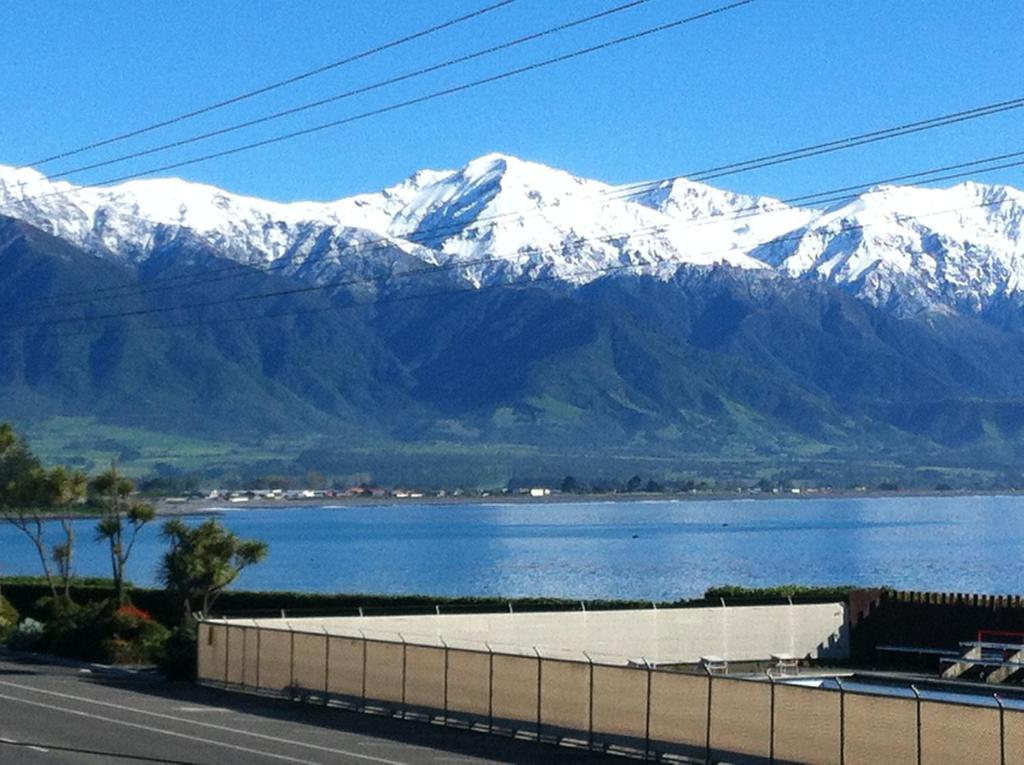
point(977, 695)
point(649, 550)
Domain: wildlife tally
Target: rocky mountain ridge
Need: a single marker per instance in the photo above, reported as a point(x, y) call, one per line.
point(906, 249)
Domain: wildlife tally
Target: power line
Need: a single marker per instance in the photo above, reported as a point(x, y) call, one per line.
point(314, 288)
point(635, 189)
point(309, 289)
point(604, 270)
point(354, 92)
point(973, 164)
point(276, 85)
point(436, 94)
point(971, 167)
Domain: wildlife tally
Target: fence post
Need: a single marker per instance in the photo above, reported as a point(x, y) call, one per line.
point(490, 688)
point(445, 644)
point(1002, 729)
point(245, 639)
point(405, 664)
point(259, 657)
point(590, 705)
point(540, 678)
point(771, 718)
point(227, 650)
point(327, 667)
point(291, 661)
point(199, 645)
point(917, 696)
point(362, 707)
point(647, 714)
point(707, 734)
point(842, 721)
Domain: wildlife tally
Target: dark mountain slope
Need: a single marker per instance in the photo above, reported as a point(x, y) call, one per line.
point(717, 363)
point(196, 369)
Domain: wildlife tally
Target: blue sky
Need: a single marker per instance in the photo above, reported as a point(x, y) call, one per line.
point(774, 75)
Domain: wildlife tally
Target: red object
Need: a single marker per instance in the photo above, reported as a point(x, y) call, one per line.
point(138, 613)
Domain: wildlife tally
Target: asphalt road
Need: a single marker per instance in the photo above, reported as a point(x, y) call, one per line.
point(57, 714)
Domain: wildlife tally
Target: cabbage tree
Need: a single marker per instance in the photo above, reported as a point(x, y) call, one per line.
point(123, 518)
point(202, 561)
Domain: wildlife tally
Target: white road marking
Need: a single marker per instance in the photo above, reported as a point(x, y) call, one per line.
point(18, 743)
point(160, 715)
point(204, 710)
point(91, 716)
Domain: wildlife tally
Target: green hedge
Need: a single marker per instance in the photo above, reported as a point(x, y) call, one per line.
point(90, 581)
point(795, 591)
point(8, 618)
point(25, 592)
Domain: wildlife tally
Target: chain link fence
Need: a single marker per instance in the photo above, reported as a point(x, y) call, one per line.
point(610, 703)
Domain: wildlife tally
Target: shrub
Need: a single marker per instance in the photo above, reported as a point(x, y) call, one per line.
point(130, 611)
point(48, 607)
point(8, 618)
point(179, 659)
point(28, 636)
point(135, 637)
point(79, 631)
point(99, 632)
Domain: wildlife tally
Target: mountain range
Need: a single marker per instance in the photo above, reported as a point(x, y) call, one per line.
point(512, 308)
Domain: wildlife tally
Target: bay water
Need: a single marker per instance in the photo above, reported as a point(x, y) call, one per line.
point(651, 550)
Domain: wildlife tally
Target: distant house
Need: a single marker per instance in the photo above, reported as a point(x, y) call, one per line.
point(540, 492)
point(364, 491)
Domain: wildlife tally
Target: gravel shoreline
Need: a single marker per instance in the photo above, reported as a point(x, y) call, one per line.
point(205, 507)
point(211, 506)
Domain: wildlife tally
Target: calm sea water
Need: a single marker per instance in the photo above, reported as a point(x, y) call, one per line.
point(648, 550)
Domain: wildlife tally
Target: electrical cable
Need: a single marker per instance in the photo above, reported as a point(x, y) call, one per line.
point(274, 85)
point(830, 196)
point(350, 93)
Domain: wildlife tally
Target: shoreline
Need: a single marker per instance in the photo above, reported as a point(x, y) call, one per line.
point(214, 507)
point(202, 507)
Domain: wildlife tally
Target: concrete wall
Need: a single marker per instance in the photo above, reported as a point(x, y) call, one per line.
point(678, 635)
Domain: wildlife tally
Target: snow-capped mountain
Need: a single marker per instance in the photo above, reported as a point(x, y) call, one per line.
point(504, 218)
point(129, 220)
point(519, 218)
point(914, 249)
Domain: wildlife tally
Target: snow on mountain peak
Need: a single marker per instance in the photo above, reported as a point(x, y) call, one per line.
point(507, 218)
point(525, 218)
point(913, 249)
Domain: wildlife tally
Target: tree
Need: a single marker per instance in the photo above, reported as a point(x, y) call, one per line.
point(16, 461)
point(20, 508)
point(25, 488)
point(122, 520)
point(64, 489)
point(571, 486)
point(203, 561)
point(634, 484)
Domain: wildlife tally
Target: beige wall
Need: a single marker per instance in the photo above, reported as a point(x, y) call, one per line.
point(740, 633)
point(606, 704)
